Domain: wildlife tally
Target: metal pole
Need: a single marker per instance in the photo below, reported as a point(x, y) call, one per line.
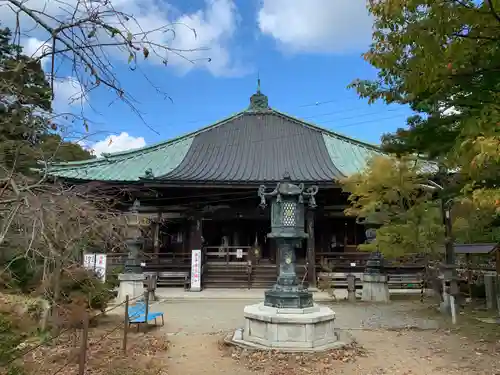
point(125, 328)
point(446, 215)
point(83, 347)
point(449, 273)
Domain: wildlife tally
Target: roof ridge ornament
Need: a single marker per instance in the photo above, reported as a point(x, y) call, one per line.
point(258, 101)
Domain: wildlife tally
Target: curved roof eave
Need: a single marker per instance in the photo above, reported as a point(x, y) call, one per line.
point(107, 157)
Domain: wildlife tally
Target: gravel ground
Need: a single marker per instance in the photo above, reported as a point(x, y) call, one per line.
point(195, 329)
point(212, 316)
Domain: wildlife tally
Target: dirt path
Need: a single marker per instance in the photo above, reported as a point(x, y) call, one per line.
point(195, 328)
point(422, 353)
point(387, 352)
point(200, 354)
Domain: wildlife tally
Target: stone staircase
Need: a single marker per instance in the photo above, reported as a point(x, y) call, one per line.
point(225, 276)
point(231, 275)
point(264, 275)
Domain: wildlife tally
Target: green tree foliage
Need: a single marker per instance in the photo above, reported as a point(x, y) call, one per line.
point(442, 58)
point(54, 148)
point(26, 132)
point(389, 192)
point(473, 224)
point(392, 193)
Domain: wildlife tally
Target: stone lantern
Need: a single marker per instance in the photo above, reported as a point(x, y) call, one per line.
point(287, 229)
point(375, 279)
point(288, 319)
point(134, 240)
point(132, 280)
point(375, 263)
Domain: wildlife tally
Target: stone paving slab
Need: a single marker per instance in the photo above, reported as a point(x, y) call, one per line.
point(209, 316)
point(254, 294)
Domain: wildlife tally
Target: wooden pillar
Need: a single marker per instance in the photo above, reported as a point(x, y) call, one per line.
point(236, 237)
point(498, 260)
point(469, 274)
point(156, 240)
point(346, 239)
point(185, 236)
point(195, 233)
point(311, 253)
point(356, 234)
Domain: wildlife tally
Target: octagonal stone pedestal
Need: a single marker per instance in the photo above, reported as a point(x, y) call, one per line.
point(131, 284)
point(288, 329)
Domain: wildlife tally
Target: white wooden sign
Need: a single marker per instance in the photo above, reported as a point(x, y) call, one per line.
point(239, 253)
point(89, 261)
point(96, 263)
point(196, 270)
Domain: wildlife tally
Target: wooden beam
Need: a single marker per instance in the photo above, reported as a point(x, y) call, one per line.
point(156, 243)
point(498, 260)
point(195, 233)
point(311, 256)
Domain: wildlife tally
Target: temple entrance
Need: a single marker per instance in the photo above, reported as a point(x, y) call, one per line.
point(239, 232)
point(247, 234)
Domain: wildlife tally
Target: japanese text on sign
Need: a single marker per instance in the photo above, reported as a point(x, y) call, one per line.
point(96, 263)
point(196, 270)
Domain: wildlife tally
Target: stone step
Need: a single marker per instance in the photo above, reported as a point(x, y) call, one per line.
point(218, 285)
point(261, 285)
point(212, 273)
point(225, 275)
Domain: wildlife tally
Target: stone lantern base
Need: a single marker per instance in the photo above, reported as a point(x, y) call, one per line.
point(131, 284)
point(288, 329)
point(375, 288)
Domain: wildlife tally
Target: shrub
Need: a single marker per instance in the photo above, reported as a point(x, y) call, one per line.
point(10, 336)
point(112, 278)
point(20, 275)
point(81, 287)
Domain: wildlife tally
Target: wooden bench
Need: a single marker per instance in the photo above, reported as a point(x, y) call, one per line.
point(338, 280)
point(405, 281)
point(173, 278)
point(139, 313)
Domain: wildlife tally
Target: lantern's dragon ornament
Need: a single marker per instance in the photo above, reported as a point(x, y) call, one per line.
point(287, 188)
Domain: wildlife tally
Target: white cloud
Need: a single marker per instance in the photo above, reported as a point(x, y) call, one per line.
point(69, 94)
point(215, 25)
point(115, 143)
point(199, 39)
point(35, 48)
point(334, 26)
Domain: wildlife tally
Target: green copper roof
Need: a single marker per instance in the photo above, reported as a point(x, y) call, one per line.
point(348, 156)
point(259, 144)
point(127, 166)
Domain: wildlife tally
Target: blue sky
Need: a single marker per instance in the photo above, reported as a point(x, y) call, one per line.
point(305, 52)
